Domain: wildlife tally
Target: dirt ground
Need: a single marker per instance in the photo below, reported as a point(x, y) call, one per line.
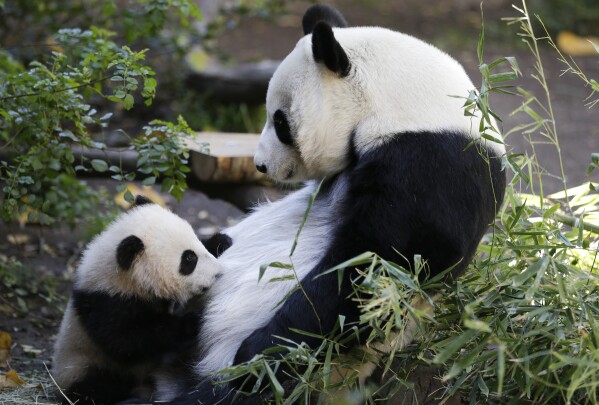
point(453, 25)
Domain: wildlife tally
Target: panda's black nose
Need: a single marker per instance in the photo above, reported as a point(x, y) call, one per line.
point(261, 168)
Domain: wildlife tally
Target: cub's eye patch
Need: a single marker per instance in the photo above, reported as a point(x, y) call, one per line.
point(282, 128)
point(188, 262)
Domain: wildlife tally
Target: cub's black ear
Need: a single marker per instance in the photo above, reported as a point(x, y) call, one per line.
point(217, 244)
point(327, 50)
point(322, 12)
point(128, 250)
point(141, 200)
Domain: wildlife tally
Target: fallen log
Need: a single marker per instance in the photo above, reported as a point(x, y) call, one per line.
point(215, 157)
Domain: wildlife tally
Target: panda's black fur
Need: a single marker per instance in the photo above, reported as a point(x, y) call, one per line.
point(409, 177)
point(122, 333)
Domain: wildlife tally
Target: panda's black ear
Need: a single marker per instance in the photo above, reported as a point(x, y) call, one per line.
point(322, 12)
point(141, 200)
point(127, 251)
point(327, 50)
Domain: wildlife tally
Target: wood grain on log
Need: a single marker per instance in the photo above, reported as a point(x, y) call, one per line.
point(229, 159)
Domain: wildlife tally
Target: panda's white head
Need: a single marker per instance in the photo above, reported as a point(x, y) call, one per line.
point(148, 252)
point(344, 90)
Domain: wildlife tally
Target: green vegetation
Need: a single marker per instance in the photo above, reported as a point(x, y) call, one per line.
point(47, 109)
point(20, 282)
point(64, 89)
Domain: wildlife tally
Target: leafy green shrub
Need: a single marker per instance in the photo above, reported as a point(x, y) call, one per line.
point(163, 154)
point(40, 170)
point(18, 283)
point(47, 108)
point(58, 86)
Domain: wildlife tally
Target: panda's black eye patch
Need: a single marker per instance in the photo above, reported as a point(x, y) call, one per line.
point(282, 128)
point(188, 262)
point(128, 250)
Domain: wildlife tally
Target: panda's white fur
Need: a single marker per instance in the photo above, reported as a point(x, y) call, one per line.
point(153, 277)
point(238, 303)
point(398, 84)
point(374, 113)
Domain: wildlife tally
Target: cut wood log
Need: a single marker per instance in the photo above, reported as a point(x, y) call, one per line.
point(228, 159)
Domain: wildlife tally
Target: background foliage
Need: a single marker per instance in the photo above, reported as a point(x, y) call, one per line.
point(63, 90)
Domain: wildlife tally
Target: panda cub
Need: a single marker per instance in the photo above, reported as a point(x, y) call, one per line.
point(131, 320)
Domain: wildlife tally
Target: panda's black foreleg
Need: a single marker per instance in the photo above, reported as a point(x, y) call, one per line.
point(315, 308)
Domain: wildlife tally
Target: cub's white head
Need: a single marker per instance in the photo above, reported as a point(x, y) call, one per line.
point(344, 90)
point(148, 252)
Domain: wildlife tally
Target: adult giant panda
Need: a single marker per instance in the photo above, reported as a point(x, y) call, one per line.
point(130, 325)
point(373, 112)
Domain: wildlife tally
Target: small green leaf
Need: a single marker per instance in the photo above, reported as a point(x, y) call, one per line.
point(128, 102)
point(148, 181)
point(477, 325)
point(274, 383)
point(99, 165)
point(129, 196)
point(500, 367)
point(452, 345)
point(120, 94)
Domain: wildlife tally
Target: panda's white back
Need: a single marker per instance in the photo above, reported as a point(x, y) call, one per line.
point(238, 303)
